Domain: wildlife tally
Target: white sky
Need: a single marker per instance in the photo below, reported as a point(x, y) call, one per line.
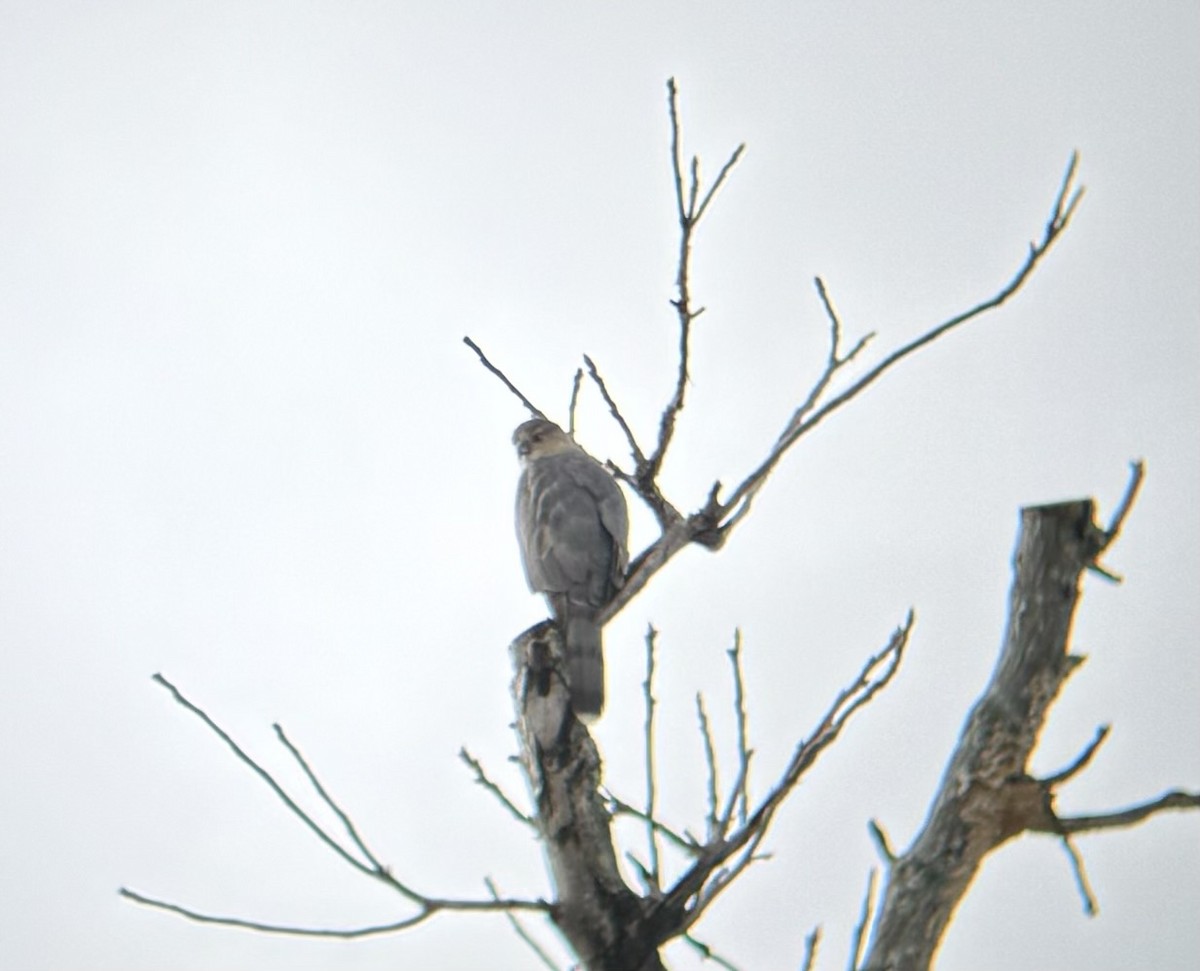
point(243, 445)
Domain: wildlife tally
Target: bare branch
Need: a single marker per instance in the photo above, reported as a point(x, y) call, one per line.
point(712, 824)
point(1064, 207)
point(534, 410)
point(576, 382)
point(521, 932)
point(703, 881)
point(275, 787)
point(482, 779)
point(740, 789)
point(690, 213)
point(711, 525)
point(871, 680)
point(675, 537)
point(606, 923)
point(987, 795)
point(595, 910)
point(433, 907)
point(1176, 799)
point(718, 182)
point(676, 161)
point(641, 482)
point(709, 954)
point(618, 807)
point(635, 450)
point(810, 949)
point(1090, 906)
point(648, 695)
point(1082, 761)
point(347, 824)
point(1136, 475)
point(864, 922)
point(253, 925)
point(427, 906)
point(882, 843)
point(834, 362)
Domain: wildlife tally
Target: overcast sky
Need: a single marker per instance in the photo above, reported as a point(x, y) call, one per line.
point(242, 444)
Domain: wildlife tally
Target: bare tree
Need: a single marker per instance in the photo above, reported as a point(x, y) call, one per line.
point(986, 797)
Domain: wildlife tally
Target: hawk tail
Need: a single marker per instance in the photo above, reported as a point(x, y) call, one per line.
point(585, 665)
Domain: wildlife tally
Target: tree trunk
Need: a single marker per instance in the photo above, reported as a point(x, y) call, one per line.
point(608, 925)
point(987, 795)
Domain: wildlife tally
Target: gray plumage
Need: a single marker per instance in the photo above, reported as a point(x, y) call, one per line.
point(573, 530)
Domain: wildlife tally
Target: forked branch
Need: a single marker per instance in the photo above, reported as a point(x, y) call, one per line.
point(713, 522)
point(690, 208)
point(361, 858)
point(610, 927)
point(988, 795)
point(724, 857)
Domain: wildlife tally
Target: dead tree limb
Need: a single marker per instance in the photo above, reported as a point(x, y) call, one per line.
point(610, 926)
point(605, 921)
point(357, 854)
point(988, 795)
point(712, 524)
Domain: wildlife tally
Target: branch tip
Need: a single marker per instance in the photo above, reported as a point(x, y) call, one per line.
point(533, 409)
point(1081, 761)
point(882, 843)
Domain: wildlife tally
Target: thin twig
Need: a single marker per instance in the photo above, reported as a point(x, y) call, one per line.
point(1136, 475)
point(1090, 906)
point(575, 384)
point(522, 933)
point(882, 843)
point(676, 161)
point(346, 822)
point(427, 905)
point(710, 759)
point(1082, 761)
point(534, 410)
point(1065, 203)
point(634, 448)
point(810, 949)
point(709, 954)
point(254, 925)
point(481, 778)
point(648, 694)
point(718, 182)
point(618, 807)
point(713, 522)
point(705, 879)
point(834, 362)
point(276, 788)
point(1176, 799)
point(864, 921)
point(432, 907)
point(689, 212)
point(643, 872)
point(742, 783)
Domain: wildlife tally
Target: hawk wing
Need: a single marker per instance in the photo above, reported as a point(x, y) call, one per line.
point(572, 523)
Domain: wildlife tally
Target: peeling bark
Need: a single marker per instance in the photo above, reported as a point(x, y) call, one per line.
point(987, 796)
point(607, 924)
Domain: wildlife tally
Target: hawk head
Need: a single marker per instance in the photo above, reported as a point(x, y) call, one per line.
point(538, 438)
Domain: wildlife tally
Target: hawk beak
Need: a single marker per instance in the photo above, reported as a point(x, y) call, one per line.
point(524, 449)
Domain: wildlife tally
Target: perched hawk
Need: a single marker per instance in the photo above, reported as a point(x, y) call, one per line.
point(573, 529)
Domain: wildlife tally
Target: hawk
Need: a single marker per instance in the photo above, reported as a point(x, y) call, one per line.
point(573, 529)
